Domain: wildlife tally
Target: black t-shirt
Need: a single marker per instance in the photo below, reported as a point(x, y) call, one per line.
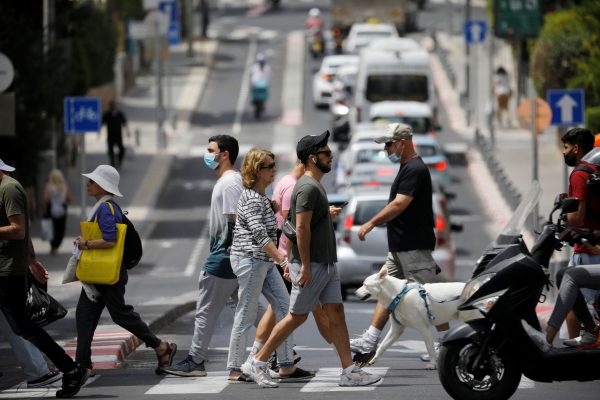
point(114, 120)
point(413, 228)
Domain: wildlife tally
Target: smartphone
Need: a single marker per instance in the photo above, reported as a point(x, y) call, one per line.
point(344, 204)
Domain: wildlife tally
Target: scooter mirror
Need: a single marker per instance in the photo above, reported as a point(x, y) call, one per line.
point(569, 205)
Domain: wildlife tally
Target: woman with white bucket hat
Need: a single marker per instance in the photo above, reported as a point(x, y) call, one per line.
point(103, 185)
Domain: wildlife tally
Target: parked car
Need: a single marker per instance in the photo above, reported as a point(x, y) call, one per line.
point(323, 79)
point(368, 152)
point(416, 114)
point(358, 259)
point(361, 34)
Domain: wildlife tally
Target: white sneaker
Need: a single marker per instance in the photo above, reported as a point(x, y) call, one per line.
point(362, 344)
point(259, 374)
point(536, 336)
point(436, 347)
point(358, 377)
point(584, 339)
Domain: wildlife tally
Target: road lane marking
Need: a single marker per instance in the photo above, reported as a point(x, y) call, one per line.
point(214, 382)
point(243, 97)
point(21, 391)
point(190, 269)
point(327, 380)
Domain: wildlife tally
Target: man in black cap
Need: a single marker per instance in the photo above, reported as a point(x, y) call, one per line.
point(312, 268)
point(410, 227)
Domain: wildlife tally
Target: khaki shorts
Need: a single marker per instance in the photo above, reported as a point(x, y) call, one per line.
point(413, 265)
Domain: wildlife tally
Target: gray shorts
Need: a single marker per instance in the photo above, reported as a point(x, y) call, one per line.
point(325, 286)
point(413, 265)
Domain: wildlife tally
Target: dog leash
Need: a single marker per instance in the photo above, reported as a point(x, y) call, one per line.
point(404, 292)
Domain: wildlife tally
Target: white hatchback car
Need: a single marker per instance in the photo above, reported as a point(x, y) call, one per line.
point(323, 79)
point(362, 34)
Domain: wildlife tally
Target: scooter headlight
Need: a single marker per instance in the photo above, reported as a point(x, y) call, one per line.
point(473, 285)
point(485, 304)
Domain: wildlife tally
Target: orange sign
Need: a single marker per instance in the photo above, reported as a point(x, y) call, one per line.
point(543, 114)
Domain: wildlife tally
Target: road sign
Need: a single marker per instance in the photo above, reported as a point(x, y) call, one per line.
point(172, 10)
point(568, 106)
point(517, 18)
point(543, 114)
point(82, 114)
point(475, 31)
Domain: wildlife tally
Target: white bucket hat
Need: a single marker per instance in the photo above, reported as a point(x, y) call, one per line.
point(5, 167)
point(107, 178)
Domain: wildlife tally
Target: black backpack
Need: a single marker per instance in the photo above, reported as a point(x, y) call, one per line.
point(132, 252)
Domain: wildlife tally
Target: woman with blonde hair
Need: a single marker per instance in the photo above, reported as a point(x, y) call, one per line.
point(57, 197)
point(253, 253)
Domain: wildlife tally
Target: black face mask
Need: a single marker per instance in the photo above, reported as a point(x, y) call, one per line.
point(570, 160)
point(323, 167)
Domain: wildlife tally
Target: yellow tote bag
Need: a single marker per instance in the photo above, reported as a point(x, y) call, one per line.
point(101, 266)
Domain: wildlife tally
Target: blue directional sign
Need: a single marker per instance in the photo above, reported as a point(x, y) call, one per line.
point(172, 10)
point(475, 31)
point(567, 105)
point(82, 114)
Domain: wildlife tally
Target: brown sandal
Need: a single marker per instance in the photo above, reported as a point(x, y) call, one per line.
point(165, 359)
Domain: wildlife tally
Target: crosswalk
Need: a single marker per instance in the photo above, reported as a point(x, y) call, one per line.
point(325, 381)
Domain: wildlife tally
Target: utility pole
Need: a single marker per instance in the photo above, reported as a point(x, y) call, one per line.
point(48, 32)
point(189, 21)
point(467, 66)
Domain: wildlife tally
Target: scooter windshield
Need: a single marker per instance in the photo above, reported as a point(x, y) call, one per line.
point(517, 221)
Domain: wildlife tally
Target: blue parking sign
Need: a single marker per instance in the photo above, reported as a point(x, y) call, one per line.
point(567, 105)
point(172, 10)
point(82, 114)
point(475, 31)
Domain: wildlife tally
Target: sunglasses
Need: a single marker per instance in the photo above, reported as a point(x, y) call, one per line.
point(328, 153)
point(268, 166)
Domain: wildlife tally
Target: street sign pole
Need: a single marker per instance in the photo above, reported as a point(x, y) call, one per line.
point(82, 168)
point(492, 109)
point(159, 100)
point(535, 161)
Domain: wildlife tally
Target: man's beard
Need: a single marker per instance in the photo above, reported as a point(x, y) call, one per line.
point(323, 167)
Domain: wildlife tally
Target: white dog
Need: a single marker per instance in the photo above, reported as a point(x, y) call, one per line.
point(412, 311)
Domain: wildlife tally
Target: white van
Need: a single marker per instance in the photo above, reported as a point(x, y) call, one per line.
point(392, 76)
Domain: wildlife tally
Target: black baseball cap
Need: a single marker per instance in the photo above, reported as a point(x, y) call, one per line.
point(308, 142)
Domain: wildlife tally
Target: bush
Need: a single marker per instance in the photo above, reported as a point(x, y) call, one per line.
point(592, 117)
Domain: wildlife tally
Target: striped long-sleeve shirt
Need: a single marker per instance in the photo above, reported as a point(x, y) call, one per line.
point(255, 226)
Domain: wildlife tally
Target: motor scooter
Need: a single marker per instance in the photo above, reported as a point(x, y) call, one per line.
point(485, 358)
point(260, 94)
point(317, 42)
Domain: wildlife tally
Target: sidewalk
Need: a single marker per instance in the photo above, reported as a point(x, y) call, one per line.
point(142, 175)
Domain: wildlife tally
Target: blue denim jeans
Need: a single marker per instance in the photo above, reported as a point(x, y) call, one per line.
point(256, 276)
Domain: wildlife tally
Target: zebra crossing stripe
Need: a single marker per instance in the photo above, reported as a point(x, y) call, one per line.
point(214, 382)
point(327, 380)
